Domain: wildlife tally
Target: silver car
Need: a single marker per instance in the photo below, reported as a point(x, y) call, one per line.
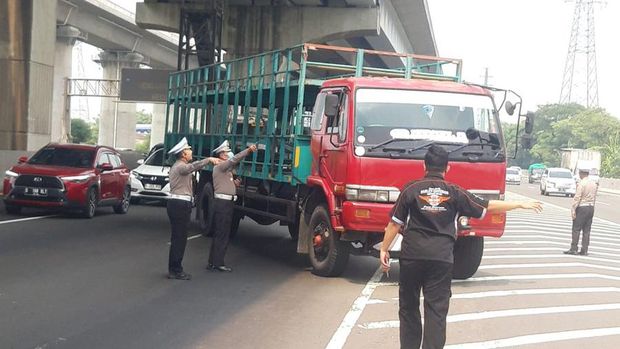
point(557, 180)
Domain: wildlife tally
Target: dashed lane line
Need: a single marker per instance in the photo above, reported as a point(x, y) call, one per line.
point(25, 219)
point(546, 256)
point(546, 265)
point(342, 333)
point(537, 277)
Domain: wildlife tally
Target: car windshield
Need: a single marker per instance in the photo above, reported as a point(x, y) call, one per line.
point(53, 156)
point(156, 159)
point(512, 172)
point(560, 174)
point(437, 116)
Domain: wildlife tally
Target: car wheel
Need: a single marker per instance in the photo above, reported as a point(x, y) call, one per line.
point(91, 204)
point(123, 206)
point(12, 209)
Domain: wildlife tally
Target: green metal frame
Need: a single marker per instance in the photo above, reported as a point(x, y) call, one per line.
point(263, 99)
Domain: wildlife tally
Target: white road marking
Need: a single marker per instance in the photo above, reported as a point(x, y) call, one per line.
point(25, 219)
point(549, 236)
point(598, 202)
point(538, 338)
point(535, 291)
point(342, 333)
point(506, 241)
point(545, 256)
point(545, 265)
point(538, 277)
point(494, 314)
point(189, 238)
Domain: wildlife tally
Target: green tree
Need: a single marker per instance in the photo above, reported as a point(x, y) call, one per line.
point(80, 131)
point(94, 137)
point(143, 117)
point(144, 146)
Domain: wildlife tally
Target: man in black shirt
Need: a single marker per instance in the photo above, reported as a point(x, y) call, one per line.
point(427, 210)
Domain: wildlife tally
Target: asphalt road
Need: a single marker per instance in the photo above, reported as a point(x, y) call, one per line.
point(68, 282)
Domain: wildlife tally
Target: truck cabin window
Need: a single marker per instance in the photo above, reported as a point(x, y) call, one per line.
point(415, 117)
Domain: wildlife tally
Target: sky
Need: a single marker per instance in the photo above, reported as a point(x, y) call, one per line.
point(524, 44)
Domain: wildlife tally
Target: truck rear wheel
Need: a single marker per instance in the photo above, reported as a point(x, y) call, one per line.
point(328, 255)
point(467, 256)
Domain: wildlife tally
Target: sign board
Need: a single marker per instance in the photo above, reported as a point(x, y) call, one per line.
point(144, 85)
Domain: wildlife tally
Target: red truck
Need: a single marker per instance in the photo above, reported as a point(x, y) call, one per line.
point(340, 132)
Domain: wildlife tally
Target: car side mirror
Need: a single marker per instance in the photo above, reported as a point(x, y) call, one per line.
point(140, 161)
point(106, 167)
point(22, 159)
point(331, 105)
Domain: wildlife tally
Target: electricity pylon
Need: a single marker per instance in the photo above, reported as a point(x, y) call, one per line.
point(579, 86)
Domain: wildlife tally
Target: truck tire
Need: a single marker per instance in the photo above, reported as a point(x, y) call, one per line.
point(467, 256)
point(205, 216)
point(328, 255)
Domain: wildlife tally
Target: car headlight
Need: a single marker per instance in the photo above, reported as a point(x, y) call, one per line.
point(76, 179)
point(136, 175)
point(11, 176)
point(371, 193)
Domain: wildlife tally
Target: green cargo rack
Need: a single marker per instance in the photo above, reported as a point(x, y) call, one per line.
point(267, 99)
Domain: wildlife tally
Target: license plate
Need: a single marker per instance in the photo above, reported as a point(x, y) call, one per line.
point(152, 186)
point(562, 189)
point(36, 191)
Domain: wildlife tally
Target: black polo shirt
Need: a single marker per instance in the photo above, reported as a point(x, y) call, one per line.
point(429, 208)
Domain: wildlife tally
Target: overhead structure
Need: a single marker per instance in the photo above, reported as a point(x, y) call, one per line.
point(580, 82)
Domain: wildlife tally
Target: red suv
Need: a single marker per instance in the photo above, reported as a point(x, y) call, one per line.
point(69, 176)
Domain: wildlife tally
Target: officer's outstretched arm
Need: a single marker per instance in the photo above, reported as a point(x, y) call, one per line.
point(496, 206)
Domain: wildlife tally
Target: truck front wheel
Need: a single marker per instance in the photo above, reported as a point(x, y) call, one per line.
point(328, 255)
point(467, 256)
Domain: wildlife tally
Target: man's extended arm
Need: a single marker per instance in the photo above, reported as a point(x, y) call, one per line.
point(496, 206)
point(390, 233)
point(186, 169)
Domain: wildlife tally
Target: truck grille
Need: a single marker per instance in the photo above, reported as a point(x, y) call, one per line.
point(39, 181)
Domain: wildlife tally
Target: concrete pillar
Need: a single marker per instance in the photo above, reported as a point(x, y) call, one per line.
point(158, 125)
point(27, 39)
point(66, 36)
point(117, 121)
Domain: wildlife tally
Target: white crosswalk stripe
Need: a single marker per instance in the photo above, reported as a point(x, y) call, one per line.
point(524, 278)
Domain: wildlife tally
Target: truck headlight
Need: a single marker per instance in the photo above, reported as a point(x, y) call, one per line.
point(371, 193)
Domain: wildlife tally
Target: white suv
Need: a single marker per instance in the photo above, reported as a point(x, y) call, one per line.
point(557, 180)
point(150, 180)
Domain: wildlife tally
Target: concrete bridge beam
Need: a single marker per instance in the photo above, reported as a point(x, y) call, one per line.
point(117, 121)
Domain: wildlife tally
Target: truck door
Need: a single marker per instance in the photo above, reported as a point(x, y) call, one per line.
point(332, 155)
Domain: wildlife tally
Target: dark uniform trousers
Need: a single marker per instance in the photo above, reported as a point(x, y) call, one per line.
point(435, 279)
point(582, 222)
point(179, 213)
point(222, 220)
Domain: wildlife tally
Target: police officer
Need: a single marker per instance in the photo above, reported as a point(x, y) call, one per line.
point(582, 211)
point(224, 193)
point(180, 204)
point(426, 210)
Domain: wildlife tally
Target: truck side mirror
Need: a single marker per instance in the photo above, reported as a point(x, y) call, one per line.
point(529, 122)
point(331, 105)
point(527, 141)
point(510, 108)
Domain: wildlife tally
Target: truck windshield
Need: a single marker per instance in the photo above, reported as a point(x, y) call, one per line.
point(63, 157)
point(420, 116)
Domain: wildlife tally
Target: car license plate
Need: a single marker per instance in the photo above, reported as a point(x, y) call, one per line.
point(36, 191)
point(562, 189)
point(152, 186)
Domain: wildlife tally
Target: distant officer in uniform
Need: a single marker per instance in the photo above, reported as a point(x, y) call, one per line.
point(180, 204)
point(224, 193)
point(582, 212)
point(427, 210)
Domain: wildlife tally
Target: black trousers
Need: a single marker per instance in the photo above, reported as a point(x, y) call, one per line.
point(582, 222)
point(435, 279)
point(179, 213)
point(222, 220)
